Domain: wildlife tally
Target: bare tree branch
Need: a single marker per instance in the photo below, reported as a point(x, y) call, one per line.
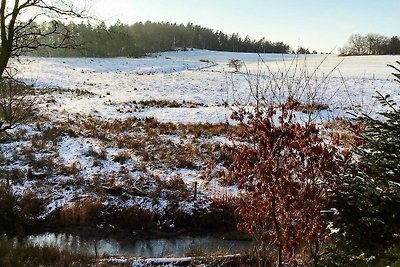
point(19, 36)
point(17, 103)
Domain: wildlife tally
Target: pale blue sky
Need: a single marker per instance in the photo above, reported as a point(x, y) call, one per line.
point(317, 24)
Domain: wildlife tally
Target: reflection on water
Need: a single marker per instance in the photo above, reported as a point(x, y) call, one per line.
point(177, 246)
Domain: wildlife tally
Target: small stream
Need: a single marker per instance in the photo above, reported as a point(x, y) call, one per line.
point(161, 247)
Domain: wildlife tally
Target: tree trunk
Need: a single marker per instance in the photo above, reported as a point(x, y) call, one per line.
point(5, 55)
point(277, 229)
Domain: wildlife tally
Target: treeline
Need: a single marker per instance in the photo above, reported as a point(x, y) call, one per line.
point(371, 44)
point(140, 38)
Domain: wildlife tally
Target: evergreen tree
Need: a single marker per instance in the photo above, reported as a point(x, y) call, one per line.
point(368, 199)
point(394, 46)
point(140, 38)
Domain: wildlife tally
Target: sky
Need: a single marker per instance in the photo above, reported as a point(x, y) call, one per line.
point(323, 25)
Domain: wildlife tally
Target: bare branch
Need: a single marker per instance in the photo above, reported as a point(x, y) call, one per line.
point(17, 103)
point(19, 36)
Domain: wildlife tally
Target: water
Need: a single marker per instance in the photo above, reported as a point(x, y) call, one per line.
point(177, 246)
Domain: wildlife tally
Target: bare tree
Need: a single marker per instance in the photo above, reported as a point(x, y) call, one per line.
point(236, 64)
point(17, 103)
point(371, 44)
point(19, 30)
point(358, 44)
point(376, 42)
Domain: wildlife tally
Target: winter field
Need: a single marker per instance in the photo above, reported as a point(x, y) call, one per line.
point(202, 78)
point(132, 137)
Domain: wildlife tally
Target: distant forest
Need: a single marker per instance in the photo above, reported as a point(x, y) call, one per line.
point(140, 38)
point(371, 44)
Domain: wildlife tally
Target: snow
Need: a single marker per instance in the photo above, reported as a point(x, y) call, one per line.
point(172, 262)
point(148, 262)
point(187, 115)
point(107, 88)
point(351, 83)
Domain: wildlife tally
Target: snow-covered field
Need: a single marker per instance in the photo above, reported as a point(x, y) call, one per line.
point(101, 146)
point(202, 76)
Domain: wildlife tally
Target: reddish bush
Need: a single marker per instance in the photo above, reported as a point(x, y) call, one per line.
point(285, 172)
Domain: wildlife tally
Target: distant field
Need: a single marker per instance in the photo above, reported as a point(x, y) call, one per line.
point(349, 67)
point(351, 82)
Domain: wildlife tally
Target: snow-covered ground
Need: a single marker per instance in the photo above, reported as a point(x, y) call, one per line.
point(203, 76)
point(95, 97)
